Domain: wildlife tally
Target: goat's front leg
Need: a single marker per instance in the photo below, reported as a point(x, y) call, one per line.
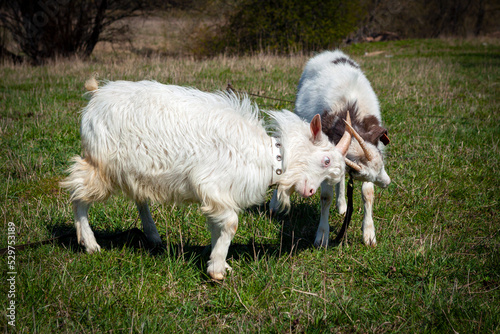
point(274, 205)
point(84, 233)
point(323, 232)
point(368, 192)
point(223, 228)
point(340, 193)
point(148, 224)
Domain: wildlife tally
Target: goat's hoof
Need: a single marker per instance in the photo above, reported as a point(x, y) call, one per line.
point(92, 248)
point(217, 276)
point(342, 208)
point(274, 212)
point(371, 242)
point(321, 243)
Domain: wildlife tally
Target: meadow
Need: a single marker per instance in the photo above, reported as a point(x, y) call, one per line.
point(436, 268)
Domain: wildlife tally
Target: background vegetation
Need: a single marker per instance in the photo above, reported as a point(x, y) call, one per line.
point(35, 31)
point(436, 266)
point(286, 26)
point(430, 19)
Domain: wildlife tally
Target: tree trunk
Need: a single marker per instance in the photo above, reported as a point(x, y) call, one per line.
point(478, 26)
point(96, 31)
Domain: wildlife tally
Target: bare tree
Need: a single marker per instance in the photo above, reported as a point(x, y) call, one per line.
point(44, 29)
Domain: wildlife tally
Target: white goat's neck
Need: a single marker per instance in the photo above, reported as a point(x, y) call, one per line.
point(276, 151)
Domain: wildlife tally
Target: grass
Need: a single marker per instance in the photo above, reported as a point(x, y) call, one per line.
point(436, 266)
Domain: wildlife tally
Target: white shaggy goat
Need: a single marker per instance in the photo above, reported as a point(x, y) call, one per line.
point(332, 85)
point(174, 144)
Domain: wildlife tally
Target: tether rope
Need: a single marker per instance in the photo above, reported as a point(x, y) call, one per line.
point(232, 89)
point(348, 214)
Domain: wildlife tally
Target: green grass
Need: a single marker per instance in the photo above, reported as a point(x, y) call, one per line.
point(435, 269)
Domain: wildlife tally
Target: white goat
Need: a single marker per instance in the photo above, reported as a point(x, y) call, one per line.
point(175, 144)
point(333, 85)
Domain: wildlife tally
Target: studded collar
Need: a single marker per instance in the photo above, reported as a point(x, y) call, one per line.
point(277, 160)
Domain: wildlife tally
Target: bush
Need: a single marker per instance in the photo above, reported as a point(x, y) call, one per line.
point(285, 26)
point(430, 19)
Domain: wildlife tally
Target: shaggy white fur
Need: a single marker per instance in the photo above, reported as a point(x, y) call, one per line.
point(175, 144)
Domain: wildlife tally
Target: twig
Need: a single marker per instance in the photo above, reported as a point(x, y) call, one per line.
point(239, 298)
point(307, 293)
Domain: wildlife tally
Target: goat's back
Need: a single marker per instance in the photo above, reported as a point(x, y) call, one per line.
point(170, 143)
point(330, 81)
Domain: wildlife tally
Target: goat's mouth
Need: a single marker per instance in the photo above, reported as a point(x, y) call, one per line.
point(384, 181)
point(379, 181)
point(382, 185)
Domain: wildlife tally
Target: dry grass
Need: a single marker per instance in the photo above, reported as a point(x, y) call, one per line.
point(436, 265)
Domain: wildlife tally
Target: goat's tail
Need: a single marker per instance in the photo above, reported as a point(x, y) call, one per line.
point(87, 182)
point(91, 84)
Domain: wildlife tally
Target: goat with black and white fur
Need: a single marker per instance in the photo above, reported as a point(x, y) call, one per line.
point(333, 85)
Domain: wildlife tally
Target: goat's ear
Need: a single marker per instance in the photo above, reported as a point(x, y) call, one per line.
point(378, 133)
point(316, 128)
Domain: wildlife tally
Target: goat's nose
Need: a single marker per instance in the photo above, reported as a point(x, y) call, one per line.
point(307, 191)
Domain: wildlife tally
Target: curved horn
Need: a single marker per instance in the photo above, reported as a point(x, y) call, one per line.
point(366, 150)
point(345, 141)
point(353, 165)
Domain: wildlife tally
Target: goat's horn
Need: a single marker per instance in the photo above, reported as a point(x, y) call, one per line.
point(345, 141)
point(353, 165)
point(366, 150)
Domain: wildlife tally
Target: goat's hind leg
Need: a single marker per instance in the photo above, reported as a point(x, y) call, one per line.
point(86, 184)
point(148, 225)
point(84, 233)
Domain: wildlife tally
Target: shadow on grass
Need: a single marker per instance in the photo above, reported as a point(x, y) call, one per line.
point(297, 232)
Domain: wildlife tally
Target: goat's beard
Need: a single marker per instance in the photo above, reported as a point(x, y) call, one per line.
point(285, 189)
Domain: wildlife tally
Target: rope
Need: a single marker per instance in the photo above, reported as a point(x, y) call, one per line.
point(348, 214)
point(230, 88)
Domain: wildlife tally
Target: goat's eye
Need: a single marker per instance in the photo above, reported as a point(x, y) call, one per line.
point(326, 161)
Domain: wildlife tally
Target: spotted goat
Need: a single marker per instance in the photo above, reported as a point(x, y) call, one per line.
point(333, 85)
